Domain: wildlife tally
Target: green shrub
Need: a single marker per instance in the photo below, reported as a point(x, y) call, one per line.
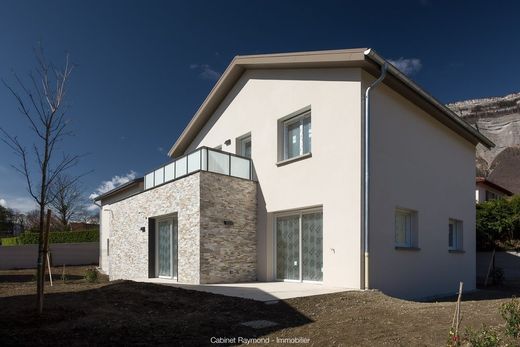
point(498, 222)
point(54, 237)
point(483, 337)
point(510, 311)
point(91, 275)
point(10, 241)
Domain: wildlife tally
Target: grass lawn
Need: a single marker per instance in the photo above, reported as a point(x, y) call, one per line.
point(125, 312)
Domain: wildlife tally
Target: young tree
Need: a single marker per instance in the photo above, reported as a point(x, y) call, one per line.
point(68, 200)
point(41, 102)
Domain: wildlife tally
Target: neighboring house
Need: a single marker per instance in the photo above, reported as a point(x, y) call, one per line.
point(283, 196)
point(487, 190)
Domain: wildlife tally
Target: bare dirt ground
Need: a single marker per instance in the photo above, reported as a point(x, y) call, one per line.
point(128, 313)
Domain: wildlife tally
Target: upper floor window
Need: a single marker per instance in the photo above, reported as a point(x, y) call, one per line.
point(297, 135)
point(244, 146)
point(455, 235)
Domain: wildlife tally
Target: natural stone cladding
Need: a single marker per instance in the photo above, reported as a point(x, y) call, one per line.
point(227, 252)
point(210, 251)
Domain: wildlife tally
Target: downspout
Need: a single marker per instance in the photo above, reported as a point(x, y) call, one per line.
point(366, 174)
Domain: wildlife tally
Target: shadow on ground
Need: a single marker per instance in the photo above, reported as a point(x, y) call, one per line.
point(491, 292)
point(128, 312)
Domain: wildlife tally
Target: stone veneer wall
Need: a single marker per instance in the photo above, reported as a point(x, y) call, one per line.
point(227, 252)
point(209, 251)
point(129, 245)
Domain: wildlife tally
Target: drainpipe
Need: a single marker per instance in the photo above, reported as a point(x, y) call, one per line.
point(366, 174)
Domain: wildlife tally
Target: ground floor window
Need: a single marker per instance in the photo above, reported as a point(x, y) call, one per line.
point(299, 246)
point(406, 228)
point(455, 235)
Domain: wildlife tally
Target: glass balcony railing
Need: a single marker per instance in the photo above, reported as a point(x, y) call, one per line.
point(201, 159)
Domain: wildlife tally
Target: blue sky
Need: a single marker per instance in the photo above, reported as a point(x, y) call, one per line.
point(144, 67)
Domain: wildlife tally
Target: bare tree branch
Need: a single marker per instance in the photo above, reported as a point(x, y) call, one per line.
point(41, 102)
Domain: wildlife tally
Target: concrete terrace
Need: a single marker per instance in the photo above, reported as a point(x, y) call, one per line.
point(259, 291)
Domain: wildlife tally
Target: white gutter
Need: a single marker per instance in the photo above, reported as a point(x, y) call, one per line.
point(366, 175)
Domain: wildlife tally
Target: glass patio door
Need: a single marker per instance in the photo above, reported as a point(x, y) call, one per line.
point(299, 246)
point(288, 248)
point(167, 248)
point(312, 246)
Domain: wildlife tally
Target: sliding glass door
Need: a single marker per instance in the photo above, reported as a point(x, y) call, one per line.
point(166, 248)
point(288, 248)
point(312, 246)
point(299, 246)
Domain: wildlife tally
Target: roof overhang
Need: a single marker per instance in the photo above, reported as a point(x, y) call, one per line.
point(493, 185)
point(120, 188)
point(364, 58)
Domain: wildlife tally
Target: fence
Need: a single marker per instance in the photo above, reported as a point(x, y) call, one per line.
point(25, 256)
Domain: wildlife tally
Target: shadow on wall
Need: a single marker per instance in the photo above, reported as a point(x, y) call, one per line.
point(261, 233)
point(141, 313)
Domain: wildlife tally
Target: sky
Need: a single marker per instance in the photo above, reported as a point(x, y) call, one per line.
point(142, 68)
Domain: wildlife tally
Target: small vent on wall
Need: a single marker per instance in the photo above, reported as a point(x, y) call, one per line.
point(228, 222)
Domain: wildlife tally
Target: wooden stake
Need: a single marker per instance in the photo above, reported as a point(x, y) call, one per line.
point(49, 268)
point(456, 316)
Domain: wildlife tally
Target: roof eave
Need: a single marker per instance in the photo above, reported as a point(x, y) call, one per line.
point(119, 188)
point(459, 122)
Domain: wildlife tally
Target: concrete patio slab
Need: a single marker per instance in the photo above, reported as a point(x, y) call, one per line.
point(259, 291)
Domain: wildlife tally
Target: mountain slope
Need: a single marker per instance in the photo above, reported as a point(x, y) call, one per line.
point(499, 119)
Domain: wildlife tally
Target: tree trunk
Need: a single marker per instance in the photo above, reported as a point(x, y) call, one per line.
point(43, 243)
point(40, 265)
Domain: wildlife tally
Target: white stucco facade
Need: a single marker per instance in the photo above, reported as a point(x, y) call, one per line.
point(419, 164)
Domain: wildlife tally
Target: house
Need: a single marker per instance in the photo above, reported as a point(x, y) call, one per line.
point(486, 190)
point(276, 178)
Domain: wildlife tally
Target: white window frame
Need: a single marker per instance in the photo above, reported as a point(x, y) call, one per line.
point(458, 237)
point(241, 142)
point(297, 119)
point(411, 235)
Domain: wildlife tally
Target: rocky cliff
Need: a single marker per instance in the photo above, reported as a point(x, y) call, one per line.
point(498, 119)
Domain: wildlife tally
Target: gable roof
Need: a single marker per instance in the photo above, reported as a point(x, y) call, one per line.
point(493, 185)
point(364, 58)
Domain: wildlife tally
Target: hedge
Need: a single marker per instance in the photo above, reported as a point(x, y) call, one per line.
point(10, 241)
point(54, 237)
